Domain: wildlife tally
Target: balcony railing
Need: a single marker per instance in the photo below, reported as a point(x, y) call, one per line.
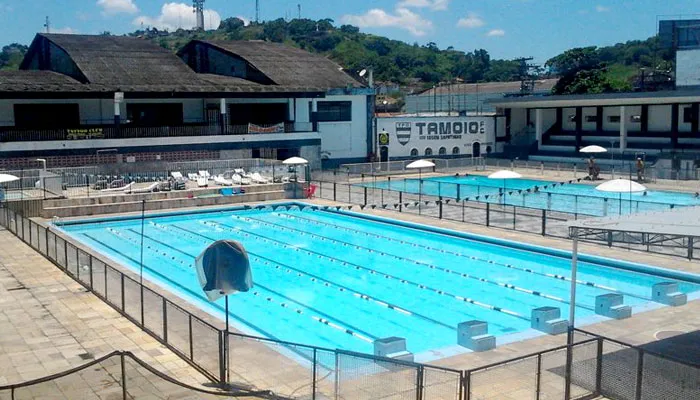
point(126, 131)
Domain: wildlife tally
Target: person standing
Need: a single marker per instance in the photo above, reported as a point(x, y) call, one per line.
point(640, 169)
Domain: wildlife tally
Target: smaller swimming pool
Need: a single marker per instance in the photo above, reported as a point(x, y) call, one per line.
point(568, 196)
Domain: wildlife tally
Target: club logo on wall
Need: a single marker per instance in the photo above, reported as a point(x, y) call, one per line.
point(403, 132)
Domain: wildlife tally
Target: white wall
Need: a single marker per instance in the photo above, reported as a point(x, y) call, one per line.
point(629, 112)
point(588, 112)
point(567, 124)
point(416, 133)
point(518, 120)
point(346, 139)
point(688, 68)
point(660, 118)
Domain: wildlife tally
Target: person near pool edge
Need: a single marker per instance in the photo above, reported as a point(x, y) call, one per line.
point(640, 169)
point(593, 169)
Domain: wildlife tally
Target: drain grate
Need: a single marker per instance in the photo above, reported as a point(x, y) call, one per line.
point(661, 335)
point(86, 356)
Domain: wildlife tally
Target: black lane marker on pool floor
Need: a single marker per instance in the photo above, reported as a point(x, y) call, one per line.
point(531, 292)
point(383, 303)
point(388, 276)
point(510, 266)
point(351, 332)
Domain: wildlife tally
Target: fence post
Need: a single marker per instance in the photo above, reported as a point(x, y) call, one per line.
point(65, 258)
point(488, 214)
point(124, 394)
point(189, 322)
point(365, 195)
point(640, 375)
point(165, 320)
point(334, 191)
point(544, 222)
point(440, 207)
point(46, 232)
point(313, 378)
point(122, 283)
point(538, 376)
point(458, 191)
point(400, 201)
point(599, 368)
point(87, 184)
point(467, 385)
point(419, 383)
point(463, 205)
point(514, 216)
point(90, 270)
point(690, 248)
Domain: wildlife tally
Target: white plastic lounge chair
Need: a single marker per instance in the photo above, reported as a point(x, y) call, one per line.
point(243, 180)
point(221, 181)
point(177, 175)
point(204, 174)
point(202, 181)
point(119, 189)
point(192, 177)
point(146, 189)
point(257, 178)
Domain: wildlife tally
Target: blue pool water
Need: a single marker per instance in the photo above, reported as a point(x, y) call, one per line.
point(567, 197)
point(373, 278)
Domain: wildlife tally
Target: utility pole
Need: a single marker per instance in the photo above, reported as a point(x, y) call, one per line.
point(257, 11)
point(47, 25)
point(299, 11)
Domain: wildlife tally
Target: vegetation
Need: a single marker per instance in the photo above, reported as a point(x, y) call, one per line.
point(582, 70)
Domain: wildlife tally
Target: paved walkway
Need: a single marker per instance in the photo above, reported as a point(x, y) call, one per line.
point(50, 323)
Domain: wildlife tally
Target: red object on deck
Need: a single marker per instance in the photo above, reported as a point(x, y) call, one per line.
point(310, 191)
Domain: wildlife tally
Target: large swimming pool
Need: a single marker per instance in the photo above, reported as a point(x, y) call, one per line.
point(568, 196)
point(342, 280)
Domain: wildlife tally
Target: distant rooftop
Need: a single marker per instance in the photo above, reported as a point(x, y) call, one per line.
point(542, 85)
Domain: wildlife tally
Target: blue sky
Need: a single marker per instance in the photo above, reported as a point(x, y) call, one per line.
point(506, 28)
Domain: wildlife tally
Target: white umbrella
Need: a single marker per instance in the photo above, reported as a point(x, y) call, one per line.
point(4, 178)
point(295, 161)
point(419, 165)
point(505, 174)
point(621, 186)
point(593, 149)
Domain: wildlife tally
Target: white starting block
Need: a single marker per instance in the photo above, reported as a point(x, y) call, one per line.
point(392, 347)
point(474, 336)
point(667, 293)
point(548, 320)
point(611, 305)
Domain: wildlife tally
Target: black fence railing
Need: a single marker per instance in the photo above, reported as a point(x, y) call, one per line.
point(599, 366)
point(521, 209)
point(127, 131)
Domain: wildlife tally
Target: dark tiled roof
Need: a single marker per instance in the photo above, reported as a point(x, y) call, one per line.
point(122, 60)
point(40, 81)
point(287, 65)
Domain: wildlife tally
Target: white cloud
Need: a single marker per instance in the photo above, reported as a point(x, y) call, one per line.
point(471, 21)
point(601, 9)
point(66, 30)
point(245, 20)
point(114, 7)
point(403, 18)
point(178, 15)
point(496, 32)
point(437, 5)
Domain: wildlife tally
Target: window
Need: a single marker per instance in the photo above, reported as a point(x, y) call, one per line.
point(636, 118)
point(591, 118)
point(414, 152)
point(614, 119)
point(572, 117)
point(688, 116)
point(334, 111)
point(428, 151)
point(455, 150)
point(45, 116)
point(155, 114)
point(442, 151)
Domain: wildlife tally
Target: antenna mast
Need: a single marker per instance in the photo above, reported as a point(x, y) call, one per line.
point(198, 8)
point(47, 25)
point(299, 11)
point(257, 11)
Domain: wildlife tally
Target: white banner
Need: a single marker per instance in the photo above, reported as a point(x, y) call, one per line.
point(435, 136)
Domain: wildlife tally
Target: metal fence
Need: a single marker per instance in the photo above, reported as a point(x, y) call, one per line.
point(543, 213)
point(296, 371)
point(117, 375)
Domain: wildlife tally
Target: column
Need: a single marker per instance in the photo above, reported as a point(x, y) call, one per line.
point(599, 119)
point(223, 121)
point(538, 126)
point(645, 118)
point(674, 125)
point(314, 114)
point(118, 100)
point(579, 127)
point(623, 129)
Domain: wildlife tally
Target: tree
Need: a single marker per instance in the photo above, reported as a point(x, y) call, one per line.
point(231, 25)
point(349, 29)
point(11, 55)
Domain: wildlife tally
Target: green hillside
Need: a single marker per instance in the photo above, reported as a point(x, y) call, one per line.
point(591, 69)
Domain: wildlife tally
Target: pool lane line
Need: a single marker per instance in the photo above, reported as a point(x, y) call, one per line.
point(354, 329)
point(388, 276)
point(510, 266)
point(269, 299)
point(314, 277)
point(535, 293)
point(355, 293)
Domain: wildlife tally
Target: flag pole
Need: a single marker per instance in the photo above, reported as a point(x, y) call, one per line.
point(143, 218)
point(226, 343)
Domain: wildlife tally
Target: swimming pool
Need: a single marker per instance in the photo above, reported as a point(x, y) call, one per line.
point(566, 196)
point(342, 280)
